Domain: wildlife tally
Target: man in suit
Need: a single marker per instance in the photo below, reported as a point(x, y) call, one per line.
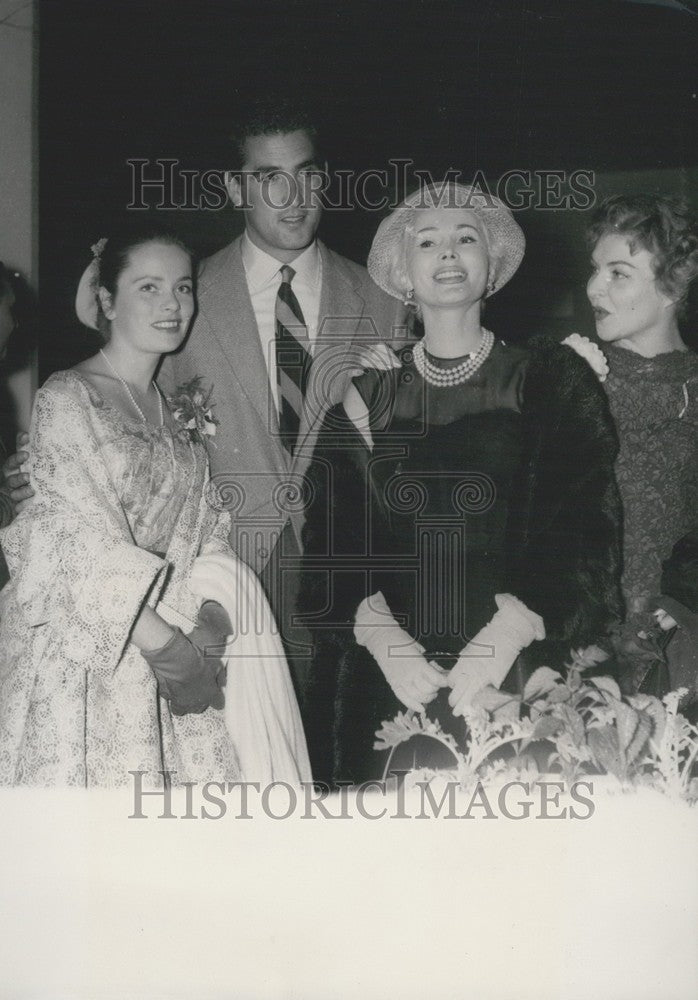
point(257, 463)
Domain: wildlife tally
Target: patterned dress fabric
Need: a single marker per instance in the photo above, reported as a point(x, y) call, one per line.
point(119, 516)
point(654, 402)
point(5, 518)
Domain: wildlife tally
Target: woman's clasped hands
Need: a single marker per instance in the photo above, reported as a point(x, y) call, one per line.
point(413, 679)
point(488, 657)
point(189, 669)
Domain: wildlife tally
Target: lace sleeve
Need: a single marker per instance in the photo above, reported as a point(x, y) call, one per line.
point(217, 540)
point(217, 522)
point(71, 550)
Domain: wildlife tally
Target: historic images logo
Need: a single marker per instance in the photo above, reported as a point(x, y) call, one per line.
point(165, 184)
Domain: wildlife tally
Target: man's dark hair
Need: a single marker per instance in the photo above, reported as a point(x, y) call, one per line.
point(269, 116)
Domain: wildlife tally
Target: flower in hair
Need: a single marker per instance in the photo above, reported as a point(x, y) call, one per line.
point(98, 247)
point(93, 267)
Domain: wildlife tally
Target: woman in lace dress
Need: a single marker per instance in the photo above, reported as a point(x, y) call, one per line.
point(644, 258)
point(94, 682)
point(474, 514)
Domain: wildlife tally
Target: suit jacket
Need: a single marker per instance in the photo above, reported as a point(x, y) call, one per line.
point(259, 481)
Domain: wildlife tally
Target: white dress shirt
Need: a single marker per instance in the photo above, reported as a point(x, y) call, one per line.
point(263, 274)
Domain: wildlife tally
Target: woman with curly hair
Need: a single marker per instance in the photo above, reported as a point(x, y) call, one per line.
point(644, 258)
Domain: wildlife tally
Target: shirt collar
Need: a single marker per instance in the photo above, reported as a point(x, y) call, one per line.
point(261, 268)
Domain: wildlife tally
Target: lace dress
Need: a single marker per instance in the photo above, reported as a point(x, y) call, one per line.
point(654, 402)
point(119, 516)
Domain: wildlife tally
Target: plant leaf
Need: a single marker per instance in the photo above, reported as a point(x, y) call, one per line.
point(656, 711)
point(640, 738)
point(627, 721)
point(399, 729)
point(574, 678)
point(541, 680)
point(546, 727)
point(574, 724)
point(499, 704)
point(589, 657)
point(559, 694)
point(608, 685)
point(605, 748)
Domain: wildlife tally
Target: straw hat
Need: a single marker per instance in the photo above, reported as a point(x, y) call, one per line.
point(506, 240)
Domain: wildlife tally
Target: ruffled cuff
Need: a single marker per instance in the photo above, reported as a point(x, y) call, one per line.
point(521, 623)
point(376, 628)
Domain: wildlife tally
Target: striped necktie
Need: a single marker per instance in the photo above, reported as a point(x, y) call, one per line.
point(293, 359)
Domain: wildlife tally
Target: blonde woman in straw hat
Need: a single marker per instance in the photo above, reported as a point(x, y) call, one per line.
point(465, 518)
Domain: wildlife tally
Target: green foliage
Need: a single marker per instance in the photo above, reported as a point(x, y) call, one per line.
point(587, 723)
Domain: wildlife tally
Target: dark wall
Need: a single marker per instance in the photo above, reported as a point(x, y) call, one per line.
point(475, 85)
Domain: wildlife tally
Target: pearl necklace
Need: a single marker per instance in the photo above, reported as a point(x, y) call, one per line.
point(442, 377)
point(130, 394)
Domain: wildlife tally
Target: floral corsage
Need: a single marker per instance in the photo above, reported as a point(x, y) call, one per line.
point(192, 407)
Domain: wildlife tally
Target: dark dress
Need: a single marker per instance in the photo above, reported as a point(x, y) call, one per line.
point(654, 402)
point(441, 479)
point(469, 491)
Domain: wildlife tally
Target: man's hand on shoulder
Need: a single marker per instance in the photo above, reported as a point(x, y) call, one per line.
point(364, 357)
point(592, 354)
point(16, 491)
point(378, 356)
point(331, 381)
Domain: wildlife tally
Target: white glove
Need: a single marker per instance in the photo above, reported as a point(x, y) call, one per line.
point(591, 353)
point(412, 678)
point(488, 658)
point(664, 620)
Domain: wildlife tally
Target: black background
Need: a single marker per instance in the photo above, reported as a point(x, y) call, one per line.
point(491, 86)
